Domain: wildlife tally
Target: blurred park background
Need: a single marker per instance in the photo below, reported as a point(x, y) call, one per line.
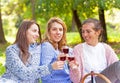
point(73, 12)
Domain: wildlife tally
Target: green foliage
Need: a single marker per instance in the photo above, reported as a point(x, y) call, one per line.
point(3, 48)
point(117, 3)
point(2, 58)
point(113, 34)
point(2, 69)
point(118, 54)
point(44, 9)
point(73, 38)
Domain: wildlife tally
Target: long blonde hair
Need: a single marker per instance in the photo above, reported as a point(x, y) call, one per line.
point(62, 42)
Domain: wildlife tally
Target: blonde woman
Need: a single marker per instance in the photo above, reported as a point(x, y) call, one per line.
point(52, 44)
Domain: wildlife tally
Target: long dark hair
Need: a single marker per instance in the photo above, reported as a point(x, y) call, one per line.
point(21, 38)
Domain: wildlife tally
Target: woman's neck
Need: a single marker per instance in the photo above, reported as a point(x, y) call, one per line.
point(55, 44)
point(93, 43)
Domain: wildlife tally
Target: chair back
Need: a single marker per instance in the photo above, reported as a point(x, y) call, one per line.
point(96, 74)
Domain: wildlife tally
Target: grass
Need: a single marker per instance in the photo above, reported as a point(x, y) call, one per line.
point(73, 38)
point(2, 57)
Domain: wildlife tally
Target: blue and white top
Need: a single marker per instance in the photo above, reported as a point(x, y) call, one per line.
point(48, 56)
point(19, 72)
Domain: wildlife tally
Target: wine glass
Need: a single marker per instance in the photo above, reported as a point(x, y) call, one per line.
point(65, 49)
point(71, 58)
point(62, 58)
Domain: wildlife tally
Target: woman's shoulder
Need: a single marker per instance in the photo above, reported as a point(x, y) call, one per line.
point(34, 46)
point(12, 47)
point(78, 46)
point(48, 44)
point(106, 45)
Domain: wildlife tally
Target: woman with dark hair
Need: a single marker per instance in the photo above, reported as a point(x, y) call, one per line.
point(23, 57)
point(93, 55)
point(54, 40)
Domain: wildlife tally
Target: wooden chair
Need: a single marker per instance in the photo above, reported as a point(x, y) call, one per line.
point(95, 74)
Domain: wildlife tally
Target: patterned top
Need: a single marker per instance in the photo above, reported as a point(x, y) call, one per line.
point(48, 56)
point(19, 72)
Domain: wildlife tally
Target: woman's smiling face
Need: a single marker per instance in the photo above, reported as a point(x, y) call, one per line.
point(89, 34)
point(32, 33)
point(56, 32)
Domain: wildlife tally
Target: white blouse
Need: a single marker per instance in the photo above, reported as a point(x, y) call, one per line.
point(94, 58)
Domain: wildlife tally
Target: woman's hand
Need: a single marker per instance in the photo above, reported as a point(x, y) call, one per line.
point(62, 57)
point(57, 65)
point(73, 64)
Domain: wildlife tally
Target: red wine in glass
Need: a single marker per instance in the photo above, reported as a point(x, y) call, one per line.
point(71, 58)
point(65, 50)
point(63, 58)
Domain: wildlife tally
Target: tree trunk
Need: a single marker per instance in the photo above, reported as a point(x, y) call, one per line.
point(102, 20)
point(78, 22)
point(33, 9)
point(73, 24)
point(2, 37)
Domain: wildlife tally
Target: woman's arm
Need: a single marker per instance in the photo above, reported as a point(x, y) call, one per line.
point(76, 74)
point(110, 54)
point(17, 67)
point(48, 54)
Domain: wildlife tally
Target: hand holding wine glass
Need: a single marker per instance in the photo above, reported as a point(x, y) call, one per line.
point(58, 65)
point(72, 62)
point(71, 58)
point(62, 57)
point(65, 51)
